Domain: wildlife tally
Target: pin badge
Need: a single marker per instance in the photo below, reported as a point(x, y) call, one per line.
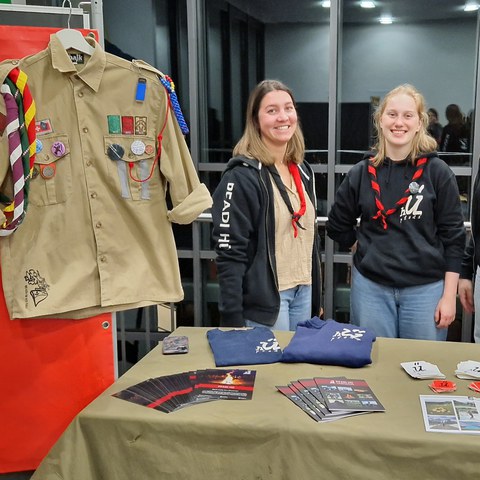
point(58, 149)
point(48, 171)
point(38, 146)
point(413, 188)
point(35, 172)
point(149, 149)
point(137, 147)
point(115, 151)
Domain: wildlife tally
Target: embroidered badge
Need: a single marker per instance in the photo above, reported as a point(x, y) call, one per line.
point(127, 125)
point(43, 126)
point(140, 125)
point(114, 125)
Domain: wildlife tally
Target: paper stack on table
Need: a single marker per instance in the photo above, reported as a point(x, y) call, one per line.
point(421, 369)
point(468, 369)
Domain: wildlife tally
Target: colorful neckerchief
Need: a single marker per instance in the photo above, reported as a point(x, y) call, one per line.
point(381, 212)
point(293, 168)
point(20, 129)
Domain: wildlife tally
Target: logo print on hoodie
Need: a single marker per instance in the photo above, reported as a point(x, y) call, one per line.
point(412, 212)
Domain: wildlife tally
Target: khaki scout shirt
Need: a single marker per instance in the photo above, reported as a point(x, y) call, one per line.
point(94, 239)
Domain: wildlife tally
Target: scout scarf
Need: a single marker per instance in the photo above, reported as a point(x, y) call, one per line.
point(20, 129)
point(382, 213)
point(295, 172)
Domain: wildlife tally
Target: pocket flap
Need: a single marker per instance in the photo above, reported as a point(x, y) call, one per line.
point(53, 148)
point(132, 148)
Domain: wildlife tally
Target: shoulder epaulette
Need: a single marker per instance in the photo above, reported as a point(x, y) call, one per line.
point(167, 82)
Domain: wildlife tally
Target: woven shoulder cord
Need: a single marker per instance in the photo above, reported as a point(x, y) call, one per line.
point(21, 135)
point(167, 82)
point(293, 168)
point(382, 213)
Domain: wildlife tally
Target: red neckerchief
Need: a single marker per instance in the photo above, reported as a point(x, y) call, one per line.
point(381, 212)
point(295, 172)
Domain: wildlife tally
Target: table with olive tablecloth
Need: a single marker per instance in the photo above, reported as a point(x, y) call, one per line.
point(268, 437)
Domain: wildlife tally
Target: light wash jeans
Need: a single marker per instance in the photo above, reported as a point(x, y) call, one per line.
point(396, 312)
point(295, 306)
point(476, 301)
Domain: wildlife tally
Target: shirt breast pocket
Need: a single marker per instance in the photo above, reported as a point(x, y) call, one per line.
point(51, 182)
point(131, 165)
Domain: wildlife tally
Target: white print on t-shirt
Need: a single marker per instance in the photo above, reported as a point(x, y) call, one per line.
point(409, 212)
point(349, 333)
point(271, 345)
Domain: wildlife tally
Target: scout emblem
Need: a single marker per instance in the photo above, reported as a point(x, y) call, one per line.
point(58, 149)
point(149, 149)
point(413, 188)
point(137, 147)
point(48, 171)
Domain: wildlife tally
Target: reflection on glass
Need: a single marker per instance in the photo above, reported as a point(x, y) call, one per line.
point(248, 41)
point(431, 48)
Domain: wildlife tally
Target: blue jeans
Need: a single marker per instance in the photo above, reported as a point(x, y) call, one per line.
point(396, 312)
point(295, 306)
point(476, 302)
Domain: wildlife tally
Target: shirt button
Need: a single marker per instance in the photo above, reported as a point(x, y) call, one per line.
point(80, 94)
point(103, 258)
point(88, 163)
point(98, 224)
point(93, 195)
point(85, 130)
point(15, 62)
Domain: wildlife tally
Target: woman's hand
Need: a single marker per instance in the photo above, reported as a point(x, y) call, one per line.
point(465, 293)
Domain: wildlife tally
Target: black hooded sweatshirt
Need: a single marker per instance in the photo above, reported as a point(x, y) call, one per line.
point(424, 238)
point(244, 234)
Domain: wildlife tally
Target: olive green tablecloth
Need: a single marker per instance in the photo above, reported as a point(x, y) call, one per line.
point(269, 437)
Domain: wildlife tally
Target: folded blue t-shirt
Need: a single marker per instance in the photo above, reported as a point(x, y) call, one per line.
point(327, 342)
point(251, 346)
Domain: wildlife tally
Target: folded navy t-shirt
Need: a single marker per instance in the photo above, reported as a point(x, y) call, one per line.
point(250, 346)
point(327, 342)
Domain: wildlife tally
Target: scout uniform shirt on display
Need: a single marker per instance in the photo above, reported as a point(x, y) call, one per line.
point(97, 235)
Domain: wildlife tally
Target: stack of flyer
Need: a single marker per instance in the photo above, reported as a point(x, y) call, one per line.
point(172, 392)
point(327, 399)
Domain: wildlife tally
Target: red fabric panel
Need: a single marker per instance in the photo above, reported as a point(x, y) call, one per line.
point(50, 369)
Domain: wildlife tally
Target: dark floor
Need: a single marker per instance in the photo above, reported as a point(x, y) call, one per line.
point(17, 475)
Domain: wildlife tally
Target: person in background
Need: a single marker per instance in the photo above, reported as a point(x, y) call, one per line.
point(264, 220)
point(469, 297)
point(434, 127)
point(455, 135)
point(410, 239)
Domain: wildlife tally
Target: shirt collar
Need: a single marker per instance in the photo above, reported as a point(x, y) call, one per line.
point(91, 73)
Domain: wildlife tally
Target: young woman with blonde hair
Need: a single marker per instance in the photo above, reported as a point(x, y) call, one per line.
point(409, 243)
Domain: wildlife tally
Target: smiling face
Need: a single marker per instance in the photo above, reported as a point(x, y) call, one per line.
point(399, 123)
point(277, 119)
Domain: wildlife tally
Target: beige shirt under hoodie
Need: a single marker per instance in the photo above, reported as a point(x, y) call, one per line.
point(293, 255)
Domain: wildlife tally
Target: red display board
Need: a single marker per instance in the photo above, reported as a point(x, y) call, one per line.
point(50, 369)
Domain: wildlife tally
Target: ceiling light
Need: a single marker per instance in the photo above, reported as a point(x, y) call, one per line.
point(470, 7)
point(386, 20)
point(367, 4)
point(326, 4)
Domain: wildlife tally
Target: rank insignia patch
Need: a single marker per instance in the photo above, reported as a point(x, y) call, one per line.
point(43, 126)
